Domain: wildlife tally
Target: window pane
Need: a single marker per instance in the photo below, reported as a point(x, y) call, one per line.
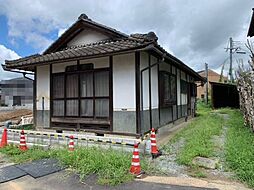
point(58, 86)
point(71, 68)
point(86, 108)
point(102, 108)
point(173, 88)
point(86, 84)
point(72, 86)
point(84, 67)
point(184, 87)
point(58, 108)
point(72, 107)
point(166, 87)
point(101, 83)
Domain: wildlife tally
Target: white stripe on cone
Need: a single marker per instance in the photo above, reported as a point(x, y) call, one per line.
point(135, 156)
point(135, 164)
point(136, 150)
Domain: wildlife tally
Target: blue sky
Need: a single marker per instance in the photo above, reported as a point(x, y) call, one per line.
point(194, 31)
point(19, 46)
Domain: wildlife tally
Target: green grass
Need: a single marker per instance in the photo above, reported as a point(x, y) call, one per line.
point(18, 156)
point(203, 108)
point(198, 135)
point(111, 166)
point(240, 148)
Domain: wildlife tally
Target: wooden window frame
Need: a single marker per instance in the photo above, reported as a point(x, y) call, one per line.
point(79, 98)
point(172, 101)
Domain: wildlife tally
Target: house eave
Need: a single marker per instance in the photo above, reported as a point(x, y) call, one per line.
point(177, 62)
point(251, 27)
point(30, 67)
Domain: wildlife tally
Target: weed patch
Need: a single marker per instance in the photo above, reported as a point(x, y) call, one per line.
point(198, 138)
point(239, 148)
point(111, 166)
point(198, 135)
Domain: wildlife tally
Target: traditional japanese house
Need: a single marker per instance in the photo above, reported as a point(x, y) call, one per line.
point(97, 79)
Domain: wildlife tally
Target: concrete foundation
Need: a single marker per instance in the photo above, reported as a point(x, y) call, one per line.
point(124, 121)
point(42, 119)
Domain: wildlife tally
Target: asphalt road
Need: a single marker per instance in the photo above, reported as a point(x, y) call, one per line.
point(65, 180)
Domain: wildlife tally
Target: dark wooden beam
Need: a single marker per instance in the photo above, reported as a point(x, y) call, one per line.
point(111, 92)
point(50, 94)
point(80, 120)
point(137, 81)
point(79, 91)
point(181, 94)
point(35, 97)
point(150, 92)
point(159, 94)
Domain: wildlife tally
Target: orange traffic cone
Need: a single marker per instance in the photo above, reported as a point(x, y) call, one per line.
point(71, 144)
point(22, 144)
point(154, 150)
point(4, 139)
point(135, 164)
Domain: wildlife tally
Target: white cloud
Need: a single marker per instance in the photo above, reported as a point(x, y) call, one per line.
point(7, 54)
point(61, 31)
point(194, 31)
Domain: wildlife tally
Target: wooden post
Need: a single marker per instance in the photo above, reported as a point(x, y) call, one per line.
point(207, 81)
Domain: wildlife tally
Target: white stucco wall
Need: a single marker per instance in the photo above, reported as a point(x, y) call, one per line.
point(124, 93)
point(145, 77)
point(43, 87)
point(184, 99)
point(60, 67)
point(184, 96)
point(154, 84)
point(102, 62)
point(87, 36)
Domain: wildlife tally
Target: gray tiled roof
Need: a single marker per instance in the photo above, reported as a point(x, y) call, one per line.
point(99, 48)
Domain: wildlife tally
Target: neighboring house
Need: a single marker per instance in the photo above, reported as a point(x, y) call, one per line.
point(251, 27)
point(224, 95)
point(212, 77)
point(97, 79)
point(17, 92)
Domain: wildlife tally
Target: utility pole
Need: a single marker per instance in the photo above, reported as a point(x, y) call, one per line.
point(207, 81)
point(230, 59)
